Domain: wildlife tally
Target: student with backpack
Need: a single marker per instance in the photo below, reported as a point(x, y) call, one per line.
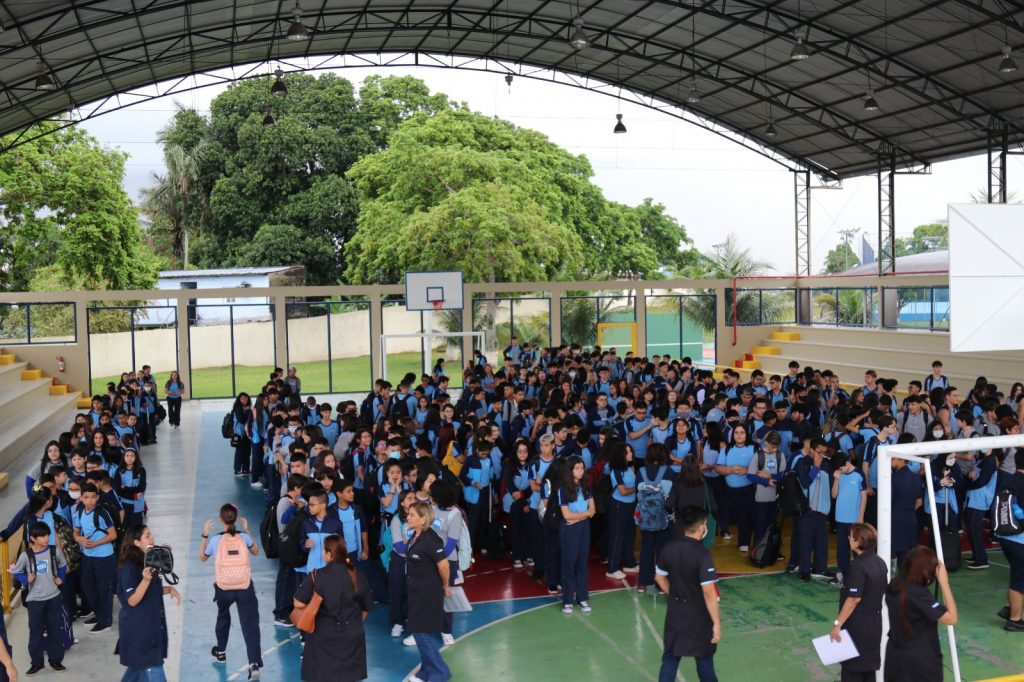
point(850, 493)
point(621, 526)
point(233, 584)
point(537, 469)
point(41, 570)
point(981, 491)
point(96, 533)
point(516, 502)
point(289, 515)
point(130, 484)
point(765, 471)
point(656, 480)
point(398, 530)
point(577, 506)
point(1008, 528)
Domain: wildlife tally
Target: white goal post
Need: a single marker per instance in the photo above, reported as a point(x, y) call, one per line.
point(922, 453)
point(429, 336)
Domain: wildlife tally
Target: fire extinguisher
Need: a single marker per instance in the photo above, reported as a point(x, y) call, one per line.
point(60, 364)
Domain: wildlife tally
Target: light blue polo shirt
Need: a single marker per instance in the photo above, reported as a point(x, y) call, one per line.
point(739, 456)
point(848, 499)
point(93, 526)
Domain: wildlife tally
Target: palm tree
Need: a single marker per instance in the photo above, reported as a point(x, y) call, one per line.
point(729, 261)
point(171, 194)
point(848, 308)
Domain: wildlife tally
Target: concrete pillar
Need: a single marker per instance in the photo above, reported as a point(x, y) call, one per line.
point(184, 356)
point(640, 317)
point(376, 329)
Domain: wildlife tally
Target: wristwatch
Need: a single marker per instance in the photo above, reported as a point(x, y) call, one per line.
point(836, 623)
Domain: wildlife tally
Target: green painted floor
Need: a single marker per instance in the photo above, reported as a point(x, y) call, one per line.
point(768, 622)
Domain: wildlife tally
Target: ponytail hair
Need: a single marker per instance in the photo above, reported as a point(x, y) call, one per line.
point(336, 547)
point(228, 515)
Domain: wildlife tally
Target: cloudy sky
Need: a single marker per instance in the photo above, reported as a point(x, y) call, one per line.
point(708, 183)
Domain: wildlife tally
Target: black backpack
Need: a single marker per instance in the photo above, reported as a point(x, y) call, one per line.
point(227, 426)
point(269, 531)
point(289, 542)
point(792, 498)
point(1004, 522)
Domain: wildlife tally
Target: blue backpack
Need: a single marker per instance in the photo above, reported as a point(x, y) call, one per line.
point(651, 514)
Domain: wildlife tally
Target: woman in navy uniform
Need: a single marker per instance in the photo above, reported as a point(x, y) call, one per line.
point(426, 570)
point(142, 625)
point(860, 605)
point(692, 624)
point(336, 649)
point(912, 653)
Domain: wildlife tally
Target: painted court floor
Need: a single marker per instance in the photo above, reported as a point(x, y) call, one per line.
point(517, 632)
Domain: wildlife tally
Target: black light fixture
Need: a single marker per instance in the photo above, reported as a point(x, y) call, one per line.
point(508, 79)
point(799, 51)
point(770, 131)
point(1008, 64)
point(44, 81)
point(269, 121)
point(278, 89)
point(870, 103)
point(298, 30)
point(620, 127)
point(694, 95)
point(579, 39)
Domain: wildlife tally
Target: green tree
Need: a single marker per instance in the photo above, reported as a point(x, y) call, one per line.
point(62, 204)
point(387, 101)
point(673, 246)
point(169, 201)
point(840, 259)
point(925, 238)
point(288, 245)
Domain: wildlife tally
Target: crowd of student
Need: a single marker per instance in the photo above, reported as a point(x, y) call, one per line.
point(557, 455)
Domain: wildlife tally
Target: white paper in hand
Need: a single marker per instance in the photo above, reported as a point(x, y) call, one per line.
point(831, 652)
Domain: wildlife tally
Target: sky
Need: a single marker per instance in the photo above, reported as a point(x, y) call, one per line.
point(711, 185)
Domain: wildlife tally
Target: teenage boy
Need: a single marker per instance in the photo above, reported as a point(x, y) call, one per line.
point(354, 528)
point(935, 379)
point(42, 568)
point(850, 493)
point(289, 505)
point(316, 528)
point(870, 383)
point(791, 379)
point(329, 428)
point(95, 532)
point(638, 429)
point(814, 475)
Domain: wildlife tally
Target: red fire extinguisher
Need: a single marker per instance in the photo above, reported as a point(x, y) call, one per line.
point(60, 364)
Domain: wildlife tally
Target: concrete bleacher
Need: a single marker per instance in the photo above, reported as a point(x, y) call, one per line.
point(30, 404)
point(896, 354)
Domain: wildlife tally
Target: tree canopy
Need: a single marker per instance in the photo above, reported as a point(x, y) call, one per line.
point(64, 212)
point(925, 238)
point(460, 190)
point(840, 259)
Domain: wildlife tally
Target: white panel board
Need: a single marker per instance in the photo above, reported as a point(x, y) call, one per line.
point(423, 289)
point(986, 277)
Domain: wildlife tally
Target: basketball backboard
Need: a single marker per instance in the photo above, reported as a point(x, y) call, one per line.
point(986, 277)
point(441, 290)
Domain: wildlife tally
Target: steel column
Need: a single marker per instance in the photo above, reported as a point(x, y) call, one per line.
point(998, 150)
point(887, 212)
point(802, 221)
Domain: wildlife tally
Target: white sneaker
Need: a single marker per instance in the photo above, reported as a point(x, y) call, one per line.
point(631, 569)
point(517, 564)
point(529, 562)
point(257, 486)
point(744, 548)
point(617, 575)
point(396, 630)
point(567, 609)
point(447, 639)
point(409, 641)
point(585, 607)
point(413, 678)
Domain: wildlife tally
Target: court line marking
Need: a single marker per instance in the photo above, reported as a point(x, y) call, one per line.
point(238, 673)
point(648, 622)
point(616, 648)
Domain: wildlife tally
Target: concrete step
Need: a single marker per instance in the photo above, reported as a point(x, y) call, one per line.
point(8, 358)
point(52, 414)
point(84, 402)
point(19, 399)
point(786, 336)
point(31, 374)
point(10, 373)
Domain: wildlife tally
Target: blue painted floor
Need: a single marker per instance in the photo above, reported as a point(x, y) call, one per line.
point(387, 658)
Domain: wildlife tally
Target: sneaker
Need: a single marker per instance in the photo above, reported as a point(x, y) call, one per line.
point(529, 562)
point(726, 536)
point(823, 574)
point(805, 577)
point(58, 667)
point(585, 607)
point(567, 609)
point(1004, 613)
point(413, 678)
point(283, 623)
point(447, 639)
point(96, 629)
point(641, 588)
point(791, 569)
point(836, 581)
point(91, 620)
point(552, 590)
point(409, 641)
point(238, 473)
point(617, 575)
point(396, 630)
point(256, 485)
point(631, 569)
point(517, 564)
point(744, 548)
point(33, 670)
point(254, 671)
point(218, 656)
point(977, 567)
point(1014, 625)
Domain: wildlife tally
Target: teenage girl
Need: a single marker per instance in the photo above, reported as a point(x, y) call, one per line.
point(516, 502)
point(574, 534)
point(398, 607)
point(130, 482)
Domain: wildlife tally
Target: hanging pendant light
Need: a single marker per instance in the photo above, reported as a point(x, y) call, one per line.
point(508, 79)
point(579, 39)
point(694, 95)
point(870, 103)
point(44, 81)
point(1008, 63)
point(799, 51)
point(298, 30)
point(269, 121)
point(770, 131)
point(620, 127)
point(279, 89)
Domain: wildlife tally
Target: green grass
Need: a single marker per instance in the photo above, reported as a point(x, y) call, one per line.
point(351, 375)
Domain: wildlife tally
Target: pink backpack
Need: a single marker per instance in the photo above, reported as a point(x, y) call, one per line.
point(231, 565)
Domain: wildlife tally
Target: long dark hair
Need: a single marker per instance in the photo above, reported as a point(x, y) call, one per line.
point(46, 458)
point(229, 515)
point(130, 553)
point(568, 483)
point(918, 568)
point(335, 545)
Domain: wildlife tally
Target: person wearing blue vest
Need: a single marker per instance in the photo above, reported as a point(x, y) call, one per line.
point(1013, 548)
point(981, 492)
point(680, 445)
point(476, 477)
point(95, 533)
point(329, 428)
point(577, 507)
point(621, 527)
point(130, 484)
point(814, 475)
point(516, 502)
point(946, 478)
point(740, 488)
point(638, 428)
point(537, 470)
point(850, 493)
point(935, 379)
point(318, 525)
point(657, 472)
point(354, 525)
point(765, 471)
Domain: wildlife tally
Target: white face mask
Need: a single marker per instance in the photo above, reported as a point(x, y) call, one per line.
point(75, 494)
point(292, 428)
point(937, 433)
point(705, 533)
point(950, 461)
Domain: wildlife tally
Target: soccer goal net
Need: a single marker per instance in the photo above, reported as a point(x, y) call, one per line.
point(923, 453)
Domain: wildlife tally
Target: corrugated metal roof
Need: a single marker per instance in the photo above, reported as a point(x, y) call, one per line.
point(932, 261)
point(221, 272)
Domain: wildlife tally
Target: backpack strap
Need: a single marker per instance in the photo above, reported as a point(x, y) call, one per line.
point(643, 475)
point(661, 474)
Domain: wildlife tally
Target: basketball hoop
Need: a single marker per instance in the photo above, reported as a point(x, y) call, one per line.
point(437, 304)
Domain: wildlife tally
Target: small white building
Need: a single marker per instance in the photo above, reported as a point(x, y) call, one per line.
point(219, 310)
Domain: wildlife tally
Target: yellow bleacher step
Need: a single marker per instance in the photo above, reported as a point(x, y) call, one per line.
point(718, 376)
point(3, 479)
point(59, 389)
point(785, 336)
point(84, 403)
point(766, 350)
point(7, 359)
point(751, 364)
point(31, 374)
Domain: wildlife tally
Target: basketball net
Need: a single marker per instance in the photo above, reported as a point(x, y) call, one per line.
point(437, 305)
